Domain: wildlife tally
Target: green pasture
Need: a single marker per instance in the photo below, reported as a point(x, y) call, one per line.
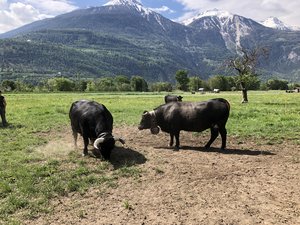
point(28, 180)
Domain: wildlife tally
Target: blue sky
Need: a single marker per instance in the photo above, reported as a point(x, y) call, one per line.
point(16, 13)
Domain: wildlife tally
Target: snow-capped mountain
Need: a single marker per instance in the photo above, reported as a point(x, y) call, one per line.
point(131, 4)
point(120, 16)
point(233, 28)
point(275, 23)
point(210, 13)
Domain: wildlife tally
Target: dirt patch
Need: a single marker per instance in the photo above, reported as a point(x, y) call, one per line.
point(249, 183)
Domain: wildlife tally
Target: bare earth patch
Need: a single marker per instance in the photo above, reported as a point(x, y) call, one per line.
point(249, 183)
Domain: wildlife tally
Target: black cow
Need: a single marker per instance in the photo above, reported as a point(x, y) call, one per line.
point(189, 116)
point(95, 123)
point(173, 98)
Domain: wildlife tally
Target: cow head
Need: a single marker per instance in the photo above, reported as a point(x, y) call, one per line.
point(149, 122)
point(105, 143)
point(179, 98)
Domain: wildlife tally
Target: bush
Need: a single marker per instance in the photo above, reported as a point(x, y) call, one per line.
point(275, 84)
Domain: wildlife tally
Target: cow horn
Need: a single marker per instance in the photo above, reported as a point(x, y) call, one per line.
point(97, 142)
point(120, 140)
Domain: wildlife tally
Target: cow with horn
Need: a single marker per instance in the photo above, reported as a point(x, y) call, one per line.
point(95, 123)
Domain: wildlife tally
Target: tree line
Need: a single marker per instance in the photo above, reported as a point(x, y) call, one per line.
point(123, 83)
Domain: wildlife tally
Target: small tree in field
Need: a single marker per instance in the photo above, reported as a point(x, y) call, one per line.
point(245, 65)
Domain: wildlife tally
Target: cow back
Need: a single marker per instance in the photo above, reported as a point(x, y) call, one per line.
point(90, 117)
point(192, 116)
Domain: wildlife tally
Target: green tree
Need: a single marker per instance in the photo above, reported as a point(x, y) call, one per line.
point(276, 84)
point(253, 82)
point(60, 84)
point(138, 83)
point(219, 82)
point(122, 83)
point(91, 86)
point(195, 83)
point(161, 86)
point(8, 85)
point(232, 84)
point(105, 84)
point(24, 87)
point(182, 80)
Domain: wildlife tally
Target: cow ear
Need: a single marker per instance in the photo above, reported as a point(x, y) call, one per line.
point(145, 112)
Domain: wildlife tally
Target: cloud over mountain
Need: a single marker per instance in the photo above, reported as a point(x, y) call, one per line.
point(16, 14)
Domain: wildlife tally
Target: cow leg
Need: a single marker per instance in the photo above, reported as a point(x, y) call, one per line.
point(214, 131)
point(85, 149)
point(75, 135)
point(171, 140)
point(177, 144)
point(223, 133)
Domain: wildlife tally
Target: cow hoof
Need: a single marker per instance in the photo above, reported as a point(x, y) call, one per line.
point(176, 149)
point(84, 154)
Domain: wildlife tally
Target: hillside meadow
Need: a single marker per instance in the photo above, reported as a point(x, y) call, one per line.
point(31, 180)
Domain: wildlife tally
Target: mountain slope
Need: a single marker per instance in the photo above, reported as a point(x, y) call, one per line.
point(123, 37)
point(234, 29)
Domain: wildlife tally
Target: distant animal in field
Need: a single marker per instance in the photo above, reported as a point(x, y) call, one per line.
point(189, 116)
point(95, 123)
point(173, 98)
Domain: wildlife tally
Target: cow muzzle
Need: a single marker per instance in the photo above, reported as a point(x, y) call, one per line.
point(154, 130)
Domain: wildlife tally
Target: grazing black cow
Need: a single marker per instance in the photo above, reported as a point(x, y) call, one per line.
point(173, 98)
point(189, 116)
point(95, 123)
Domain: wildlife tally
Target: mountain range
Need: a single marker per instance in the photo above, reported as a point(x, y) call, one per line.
point(125, 38)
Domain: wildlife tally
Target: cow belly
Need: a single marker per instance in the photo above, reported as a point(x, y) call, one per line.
point(196, 127)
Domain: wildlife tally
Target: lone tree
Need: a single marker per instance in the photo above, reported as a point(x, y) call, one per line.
point(182, 80)
point(245, 65)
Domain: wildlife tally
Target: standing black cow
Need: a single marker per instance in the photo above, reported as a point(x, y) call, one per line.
point(189, 116)
point(95, 123)
point(173, 98)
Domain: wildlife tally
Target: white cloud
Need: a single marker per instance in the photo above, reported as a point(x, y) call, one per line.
point(163, 9)
point(16, 14)
point(52, 7)
point(287, 11)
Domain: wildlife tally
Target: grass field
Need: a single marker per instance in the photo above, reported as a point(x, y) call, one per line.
point(30, 180)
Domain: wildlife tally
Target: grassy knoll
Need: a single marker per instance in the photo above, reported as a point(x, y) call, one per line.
point(29, 180)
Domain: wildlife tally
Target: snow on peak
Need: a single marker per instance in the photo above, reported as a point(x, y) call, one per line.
point(137, 5)
point(124, 2)
point(132, 4)
point(274, 22)
point(215, 12)
point(209, 13)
